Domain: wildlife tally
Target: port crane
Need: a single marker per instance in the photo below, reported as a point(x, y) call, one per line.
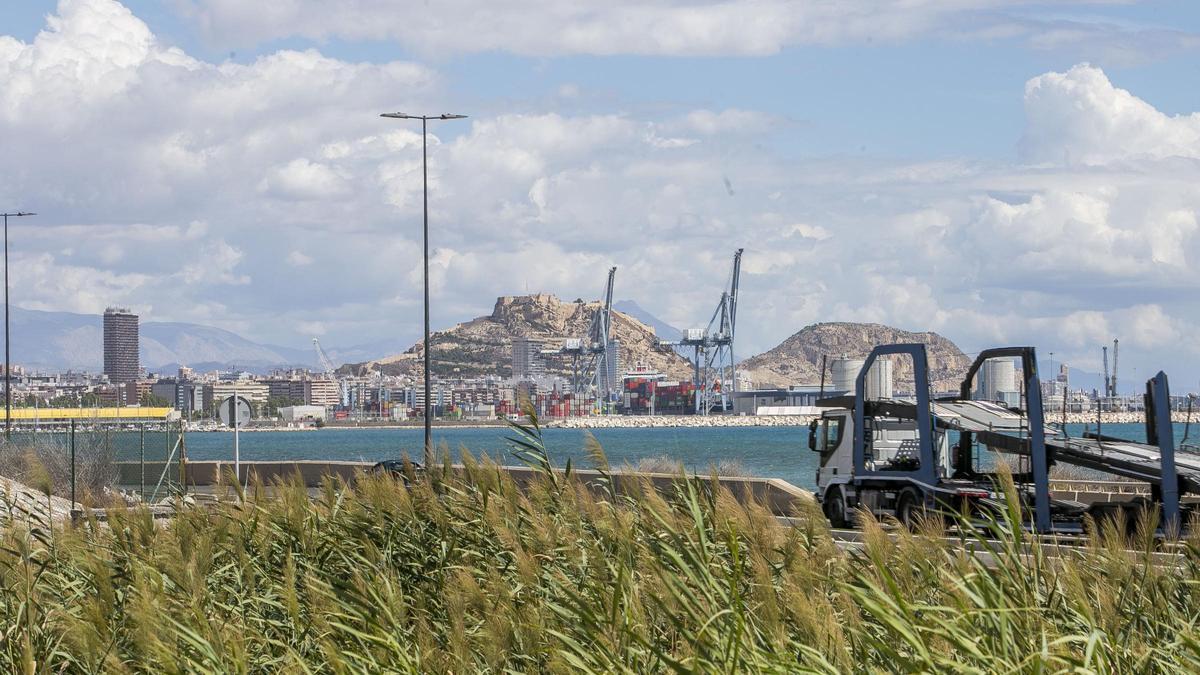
point(1110, 381)
point(327, 365)
point(593, 358)
point(715, 369)
point(1112, 387)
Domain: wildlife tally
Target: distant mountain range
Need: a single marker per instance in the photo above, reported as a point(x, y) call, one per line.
point(662, 329)
point(58, 341)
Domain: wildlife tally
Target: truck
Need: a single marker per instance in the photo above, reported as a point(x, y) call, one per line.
point(905, 458)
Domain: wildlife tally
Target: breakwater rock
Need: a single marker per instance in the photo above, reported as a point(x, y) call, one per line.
point(1178, 417)
point(697, 421)
point(679, 421)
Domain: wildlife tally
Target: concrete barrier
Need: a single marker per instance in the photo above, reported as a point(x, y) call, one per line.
point(781, 497)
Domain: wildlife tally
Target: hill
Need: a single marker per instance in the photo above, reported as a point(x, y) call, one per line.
point(797, 360)
point(483, 346)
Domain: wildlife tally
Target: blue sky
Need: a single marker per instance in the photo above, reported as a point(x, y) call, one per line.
point(202, 150)
point(937, 96)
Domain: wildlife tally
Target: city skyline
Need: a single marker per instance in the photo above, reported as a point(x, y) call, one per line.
point(1006, 173)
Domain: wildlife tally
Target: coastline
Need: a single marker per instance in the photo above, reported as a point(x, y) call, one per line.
point(684, 421)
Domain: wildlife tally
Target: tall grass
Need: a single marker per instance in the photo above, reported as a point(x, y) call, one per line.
point(465, 571)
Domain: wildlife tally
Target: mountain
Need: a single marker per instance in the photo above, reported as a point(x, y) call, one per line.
point(164, 343)
point(483, 346)
point(797, 360)
point(57, 341)
point(662, 329)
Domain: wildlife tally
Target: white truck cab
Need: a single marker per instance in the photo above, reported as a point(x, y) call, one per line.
point(892, 445)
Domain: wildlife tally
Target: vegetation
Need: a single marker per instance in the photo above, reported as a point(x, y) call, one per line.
point(672, 465)
point(155, 401)
point(462, 571)
point(274, 403)
point(44, 461)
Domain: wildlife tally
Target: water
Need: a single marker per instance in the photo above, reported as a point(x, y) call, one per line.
point(774, 452)
point(780, 452)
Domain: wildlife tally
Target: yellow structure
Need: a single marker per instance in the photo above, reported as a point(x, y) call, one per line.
point(127, 414)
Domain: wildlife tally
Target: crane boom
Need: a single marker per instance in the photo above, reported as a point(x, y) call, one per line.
point(323, 358)
point(327, 365)
point(733, 293)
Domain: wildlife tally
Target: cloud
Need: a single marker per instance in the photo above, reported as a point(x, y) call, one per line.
point(268, 197)
point(670, 27)
point(303, 180)
point(299, 259)
point(1080, 118)
point(735, 121)
point(215, 264)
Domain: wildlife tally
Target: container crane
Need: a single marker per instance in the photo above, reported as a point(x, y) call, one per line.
point(604, 356)
point(1107, 379)
point(715, 369)
point(594, 357)
point(1113, 391)
point(721, 328)
point(327, 365)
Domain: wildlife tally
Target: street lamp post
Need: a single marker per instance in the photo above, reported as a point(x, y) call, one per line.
point(7, 341)
point(425, 237)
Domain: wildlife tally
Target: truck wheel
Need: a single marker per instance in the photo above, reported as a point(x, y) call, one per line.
point(908, 505)
point(834, 506)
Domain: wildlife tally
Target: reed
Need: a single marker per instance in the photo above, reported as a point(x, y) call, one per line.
point(466, 571)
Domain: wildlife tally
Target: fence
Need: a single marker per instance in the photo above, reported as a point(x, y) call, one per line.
point(94, 458)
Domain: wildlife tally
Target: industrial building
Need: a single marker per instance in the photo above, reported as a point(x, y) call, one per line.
point(120, 345)
point(300, 413)
point(796, 400)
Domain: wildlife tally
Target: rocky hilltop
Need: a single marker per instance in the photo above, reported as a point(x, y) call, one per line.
point(483, 346)
point(797, 360)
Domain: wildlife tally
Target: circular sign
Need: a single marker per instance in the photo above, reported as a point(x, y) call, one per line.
point(225, 411)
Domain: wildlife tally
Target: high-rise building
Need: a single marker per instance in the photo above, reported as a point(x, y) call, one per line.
point(120, 345)
point(527, 359)
point(613, 366)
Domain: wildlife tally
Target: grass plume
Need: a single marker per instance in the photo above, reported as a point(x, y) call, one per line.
point(467, 571)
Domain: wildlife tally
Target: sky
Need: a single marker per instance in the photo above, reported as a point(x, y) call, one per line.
point(998, 171)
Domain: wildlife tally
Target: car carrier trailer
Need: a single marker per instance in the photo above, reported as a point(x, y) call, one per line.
point(895, 457)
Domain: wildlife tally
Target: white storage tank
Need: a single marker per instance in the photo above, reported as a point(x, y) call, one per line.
point(996, 380)
point(844, 370)
point(879, 379)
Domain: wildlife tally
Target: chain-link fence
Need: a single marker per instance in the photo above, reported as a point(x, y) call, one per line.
point(97, 461)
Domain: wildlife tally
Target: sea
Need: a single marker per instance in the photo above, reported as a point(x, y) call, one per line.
point(772, 452)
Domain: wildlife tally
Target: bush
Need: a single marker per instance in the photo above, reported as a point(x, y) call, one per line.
point(672, 465)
